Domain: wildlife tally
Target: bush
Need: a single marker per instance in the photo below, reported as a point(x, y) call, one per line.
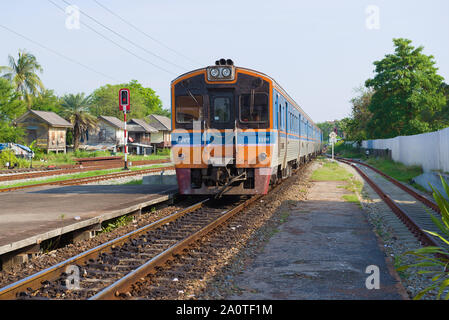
point(8, 156)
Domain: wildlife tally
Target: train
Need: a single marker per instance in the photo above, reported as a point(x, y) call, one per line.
point(236, 131)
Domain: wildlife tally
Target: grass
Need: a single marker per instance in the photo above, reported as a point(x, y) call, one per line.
point(135, 182)
point(396, 170)
point(76, 176)
point(115, 223)
point(331, 171)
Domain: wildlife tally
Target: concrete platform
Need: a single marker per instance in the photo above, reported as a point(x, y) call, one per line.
point(321, 252)
point(29, 217)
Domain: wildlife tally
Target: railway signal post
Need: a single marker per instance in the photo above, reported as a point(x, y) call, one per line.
point(124, 103)
point(332, 140)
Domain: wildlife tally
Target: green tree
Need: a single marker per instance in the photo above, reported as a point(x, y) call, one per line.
point(23, 75)
point(10, 108)
point(144, 101)
point(76, 110)
point(407, 93)
point(47, 101)
point(357, 125)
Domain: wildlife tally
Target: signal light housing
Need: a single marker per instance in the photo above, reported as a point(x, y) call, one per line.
point(124, 99)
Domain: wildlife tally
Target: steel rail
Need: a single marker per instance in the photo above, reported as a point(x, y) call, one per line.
point(124, 284)
point(34, 282)
point(412, 192)
point(74, 169)
point(52, 273)
point(414, 228)
point(89, 179)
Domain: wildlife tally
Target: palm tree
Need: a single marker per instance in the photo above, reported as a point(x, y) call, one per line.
point(23, 75)
point(76, 110)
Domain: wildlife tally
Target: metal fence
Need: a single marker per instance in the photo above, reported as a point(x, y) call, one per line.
point(429, 150)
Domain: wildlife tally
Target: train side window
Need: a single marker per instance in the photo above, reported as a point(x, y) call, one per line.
point(254, 108)
point(189, 109)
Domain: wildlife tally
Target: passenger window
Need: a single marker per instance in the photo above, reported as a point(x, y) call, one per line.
point(222, 109)
point(189, 109)
point(254, 108)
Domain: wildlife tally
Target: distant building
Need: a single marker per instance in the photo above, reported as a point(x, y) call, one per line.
point(47, 128)
point(139, 136)
point(161, 138)
point(108, 135)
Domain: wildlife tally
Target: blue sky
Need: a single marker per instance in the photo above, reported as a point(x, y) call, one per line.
point(319, 51)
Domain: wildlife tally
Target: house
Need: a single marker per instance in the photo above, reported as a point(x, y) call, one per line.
point(46, 127)
point(109, 134)
point(162, 138)
point(139, 136)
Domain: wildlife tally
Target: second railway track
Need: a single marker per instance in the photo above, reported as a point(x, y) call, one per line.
point(411, 208)
point(86, 180)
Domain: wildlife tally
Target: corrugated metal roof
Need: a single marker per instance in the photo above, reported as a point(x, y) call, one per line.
point(144, 125)
point(160, 122)
point(52, 118)
point(114, 121)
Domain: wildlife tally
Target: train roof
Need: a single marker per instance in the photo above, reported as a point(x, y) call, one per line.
point(276, 84)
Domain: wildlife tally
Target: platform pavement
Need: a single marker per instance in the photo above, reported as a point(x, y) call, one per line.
point(322, 251)
point(32, 216)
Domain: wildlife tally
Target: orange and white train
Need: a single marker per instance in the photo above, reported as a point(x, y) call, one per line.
point(236, 131)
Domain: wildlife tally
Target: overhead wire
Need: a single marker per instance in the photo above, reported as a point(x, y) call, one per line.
point(125, 38)
point(58, 53)
point(118, 45)
point(145, 33)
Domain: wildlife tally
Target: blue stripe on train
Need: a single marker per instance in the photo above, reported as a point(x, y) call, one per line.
point(244, 138)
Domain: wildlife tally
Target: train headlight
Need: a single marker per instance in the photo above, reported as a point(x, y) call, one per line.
point(263, 156)
point(214, 72)
point(221, 73)
point(226, 72)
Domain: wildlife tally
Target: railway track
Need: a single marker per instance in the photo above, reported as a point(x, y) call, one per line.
point(71, 169)
point(411, 208)
point(89, 179)
point(115, 269)
point(108, 271)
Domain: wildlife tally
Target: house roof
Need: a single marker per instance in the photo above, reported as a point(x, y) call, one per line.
point(161, 123)
point(146, 127)
point(48, 116)
point(114, 121)
point(134, 128)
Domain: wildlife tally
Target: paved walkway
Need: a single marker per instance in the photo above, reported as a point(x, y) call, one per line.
point(321, 252)
point(30, 216)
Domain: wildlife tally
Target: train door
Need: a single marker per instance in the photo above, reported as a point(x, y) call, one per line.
point(222, 121)
point(279, 123)
point(222, 110)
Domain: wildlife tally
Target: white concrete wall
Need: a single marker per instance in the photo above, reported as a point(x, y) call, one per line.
point(429, 150)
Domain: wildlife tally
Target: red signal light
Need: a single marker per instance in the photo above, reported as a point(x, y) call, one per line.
point(124, 99)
